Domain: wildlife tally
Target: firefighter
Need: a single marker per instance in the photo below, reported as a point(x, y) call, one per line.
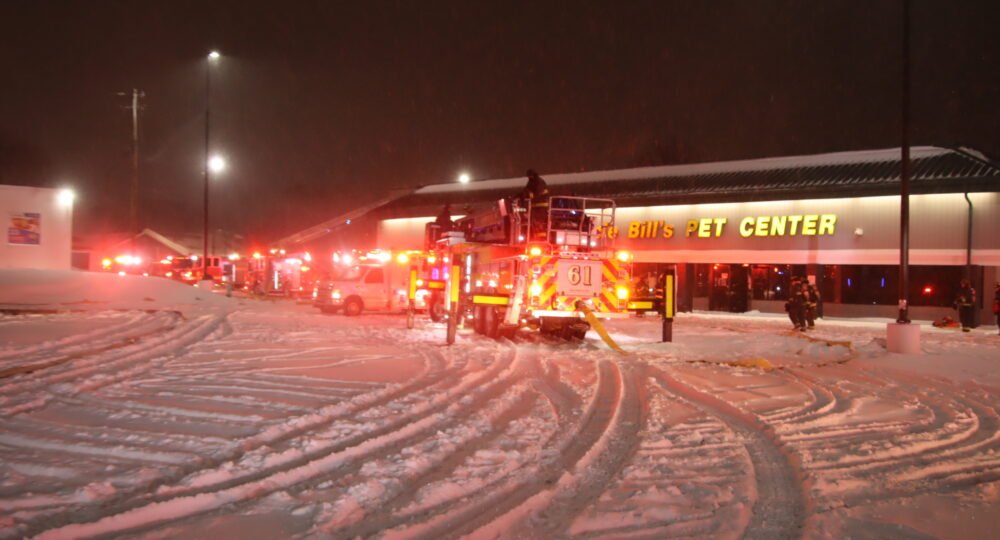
point(795, 305)
point(536, 192)
point(659, 292)
point(996, 305)
point(965, 302)
point(812, 304)
point(443, 220)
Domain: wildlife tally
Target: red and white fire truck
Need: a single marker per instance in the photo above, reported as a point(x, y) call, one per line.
point(554, 270)
point(280, 273)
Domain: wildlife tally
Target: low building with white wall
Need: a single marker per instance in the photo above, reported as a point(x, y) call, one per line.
point(737, 232)
point(37, 227)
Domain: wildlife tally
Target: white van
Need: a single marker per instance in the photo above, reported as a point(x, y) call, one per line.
point(364, 287)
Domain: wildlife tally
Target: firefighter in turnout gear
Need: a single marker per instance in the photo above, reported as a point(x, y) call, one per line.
point(965, 302)
point(796, 305)
point(443, 220)
point(812, 305)
point(996, 305)
point(536, 192)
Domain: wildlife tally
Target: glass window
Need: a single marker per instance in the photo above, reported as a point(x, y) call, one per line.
point(879, 284)
point(374, 276)
point(349, 273)
point(701, 279)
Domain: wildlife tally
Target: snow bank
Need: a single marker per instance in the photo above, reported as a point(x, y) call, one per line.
point(90, 291)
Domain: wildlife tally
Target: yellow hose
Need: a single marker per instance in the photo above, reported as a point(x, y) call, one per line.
point(595, 323)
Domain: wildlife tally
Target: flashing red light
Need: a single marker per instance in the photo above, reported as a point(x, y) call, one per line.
point(928, 290)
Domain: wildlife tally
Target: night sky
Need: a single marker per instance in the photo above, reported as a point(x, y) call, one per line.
point(320, 106)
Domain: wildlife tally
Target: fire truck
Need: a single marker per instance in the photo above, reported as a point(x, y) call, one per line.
point(278, 273)
point(552, 269)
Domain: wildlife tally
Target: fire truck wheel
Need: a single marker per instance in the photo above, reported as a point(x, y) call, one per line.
point(452, 329)
point(477, 320)
point(436, 309)
point(491, 322)
point(353, 307)
point(576, 333)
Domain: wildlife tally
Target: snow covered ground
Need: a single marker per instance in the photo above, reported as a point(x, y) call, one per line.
point(144, 408)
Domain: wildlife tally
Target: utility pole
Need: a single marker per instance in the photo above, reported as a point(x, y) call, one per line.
point(134, 199)
point(134, 107)
point(902, 336)
point(904, 179)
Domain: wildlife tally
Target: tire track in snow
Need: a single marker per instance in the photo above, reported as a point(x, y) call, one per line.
point(952, 443)
point(396, 509)
point(46, 350)
point(435, 370)
point(780, 509)
point(443, 491)
point(690, 477)
point(367, 516)
point(597, 468)
point(492, 512)
point(114, 338)
point(88, 373)
point(286, 471)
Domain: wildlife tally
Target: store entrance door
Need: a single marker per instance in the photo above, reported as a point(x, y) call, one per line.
point(730, 289)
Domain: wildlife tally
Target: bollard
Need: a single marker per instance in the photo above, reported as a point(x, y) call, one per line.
point(455, 276)
point(669, 299)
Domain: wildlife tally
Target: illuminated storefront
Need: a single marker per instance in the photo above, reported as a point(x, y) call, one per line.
point(737, 232)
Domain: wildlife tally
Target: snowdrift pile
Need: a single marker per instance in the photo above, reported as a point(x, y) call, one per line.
point(30, 289)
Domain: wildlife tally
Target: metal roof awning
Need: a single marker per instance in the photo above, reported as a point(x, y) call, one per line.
point(844, 174)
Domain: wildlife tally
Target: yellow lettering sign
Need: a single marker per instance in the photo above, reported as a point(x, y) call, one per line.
point(805, 225)
point(719, 222)
point(778, 225)
point(763, 226)
point(827, 222)
point(794, 220)
point(633, 229)
point(704, 227)
point(809, 225)
point(692, 226)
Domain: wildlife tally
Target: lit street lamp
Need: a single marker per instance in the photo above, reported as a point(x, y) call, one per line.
point(210, 164)
point(216, 164)
point(65, 198)
point(464, 178)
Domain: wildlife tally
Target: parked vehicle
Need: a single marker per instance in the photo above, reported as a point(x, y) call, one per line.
point(375, 281)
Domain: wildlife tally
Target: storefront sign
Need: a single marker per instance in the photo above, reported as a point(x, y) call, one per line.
point(25, 229)
point(785, 225)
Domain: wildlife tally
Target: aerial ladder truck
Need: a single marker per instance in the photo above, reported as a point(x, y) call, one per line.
point(507, 268)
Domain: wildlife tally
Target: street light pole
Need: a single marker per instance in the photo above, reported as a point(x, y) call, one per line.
point(212, 57)
point(902, 336)
point(904, 178)
point(134, 195)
